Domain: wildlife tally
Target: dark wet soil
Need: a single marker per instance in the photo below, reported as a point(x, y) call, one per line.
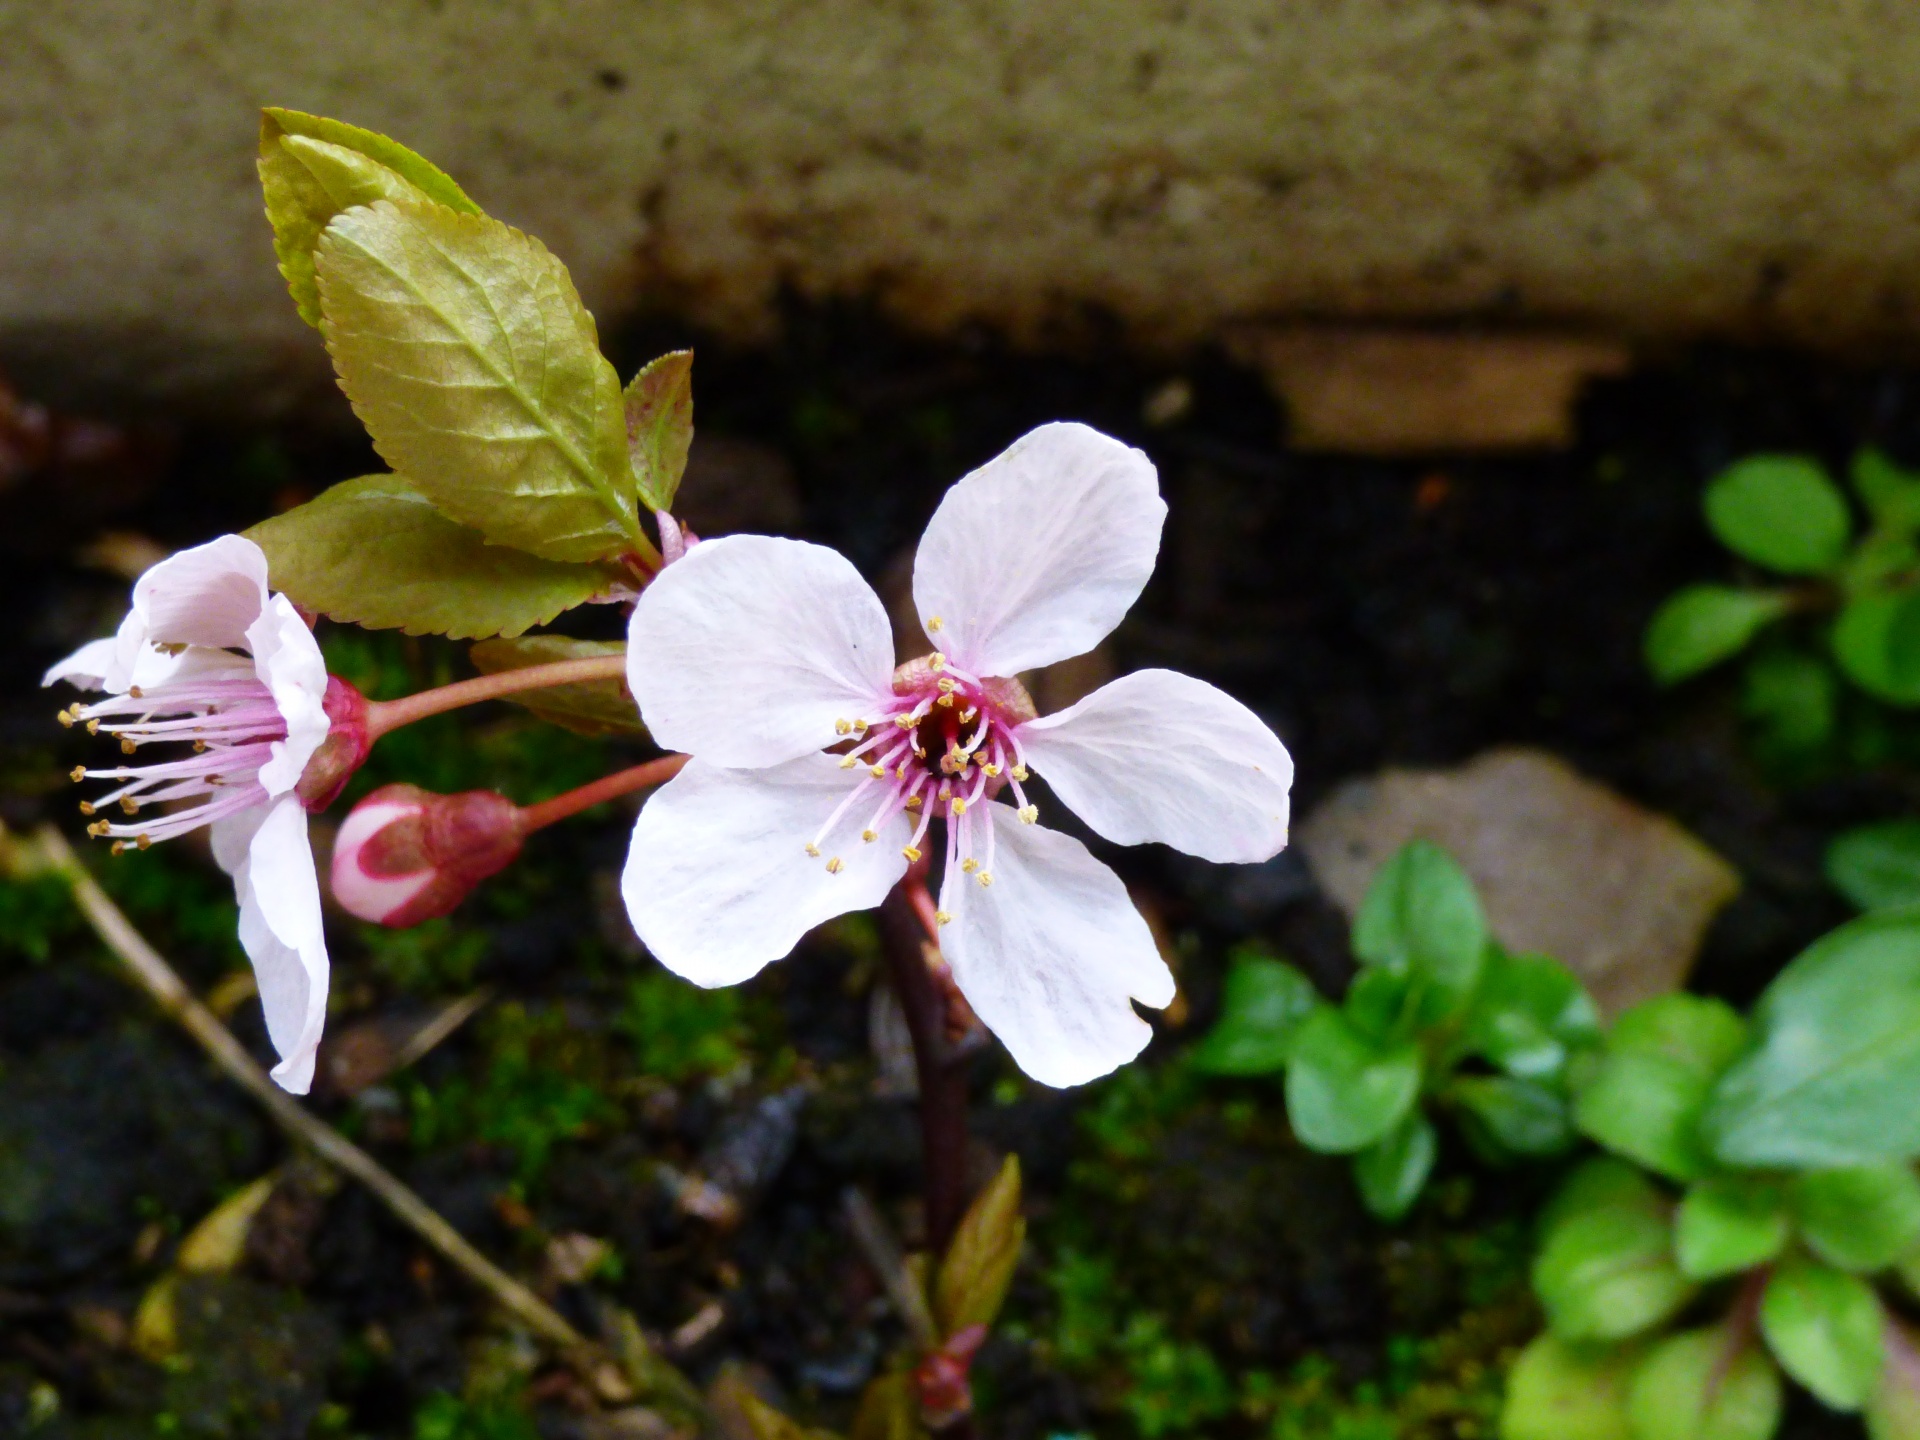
point(1403, 612)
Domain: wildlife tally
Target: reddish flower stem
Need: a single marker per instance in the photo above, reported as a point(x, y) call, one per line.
point(385, 715)
point(597, 792)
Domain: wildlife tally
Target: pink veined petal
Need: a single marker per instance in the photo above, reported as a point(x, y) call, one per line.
point(88, 667)
point(208, 595)
point(288, 662)
point(718, 880)
point(1049, 955)
point(1157, 755)
point(746, 650)
point(280, 929)
point(1035, 556)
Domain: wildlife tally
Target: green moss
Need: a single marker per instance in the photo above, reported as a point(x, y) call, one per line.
point(431, 958)
point(34, 916)
point(679, 1031)
point(447, 1417)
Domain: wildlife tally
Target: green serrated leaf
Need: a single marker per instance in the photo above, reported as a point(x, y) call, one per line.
point(1835, 1062)
point(477, 371)
point(1705, 624)
point(1645, 1098)
point(1780, 511)
point(1558, 1391)
point(1506, 1118)
point(1421, 917)
point(1730, 1223)
point(1529, 1014)
point(1261, 1006)
point(1605, 1268)
point(979, 1264)
point(1705, 1385)
point(1345, 1091)
point(1877, 867)
point(1860, 1219)
point(1392, 1172)
point(592, 707)
point(375, 552)
point(1825, 1329)
point(313, 168)
point(659, 413)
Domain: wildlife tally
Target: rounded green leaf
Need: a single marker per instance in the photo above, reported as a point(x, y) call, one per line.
point(1344, 1091)
point(1421, 917)
point(1877, 867)
point(1698, 1386)
point(1705, 624)
point(1558, 1391)
point(1382, 1004)
point(1861, 1219)
point(1727, 1224)
point(1646, 1097)
point(1792, 700)
point(1825, 1329)
point(375, 552)
point(1506, 1118)
point(1261, 1006)
point(1876, 641)
point(1392, 1172)
point(1890, 493)
point(1830, 1079)
point(478, 373)
point(1529, 1014)
point(1780, 511)
point(1605, 1269)
point(658, 404)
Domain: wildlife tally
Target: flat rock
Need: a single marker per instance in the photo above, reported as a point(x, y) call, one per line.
point(1565, 867)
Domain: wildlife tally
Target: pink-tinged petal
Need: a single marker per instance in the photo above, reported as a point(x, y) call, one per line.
point(747, 649)
point(1050, 953)
point(358, 889)
point(1035, 556)
point(288, 662)
point(718, 881)
point(1157, 755)
point(280, 929)
point(88, 667)
point(208, 595)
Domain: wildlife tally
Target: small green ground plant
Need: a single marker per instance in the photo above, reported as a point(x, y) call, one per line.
point(1441, 1019)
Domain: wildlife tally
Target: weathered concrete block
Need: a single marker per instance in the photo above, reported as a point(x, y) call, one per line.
point(1656, 167)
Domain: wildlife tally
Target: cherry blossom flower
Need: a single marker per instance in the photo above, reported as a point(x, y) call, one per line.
point(209, 661)
point(819, 768)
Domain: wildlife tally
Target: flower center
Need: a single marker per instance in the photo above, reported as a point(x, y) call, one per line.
point(941, 745)
point(226, 720)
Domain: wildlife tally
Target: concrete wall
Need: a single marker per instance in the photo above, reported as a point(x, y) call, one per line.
point(1651, 167)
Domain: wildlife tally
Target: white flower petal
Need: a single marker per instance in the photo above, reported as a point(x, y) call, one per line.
point(288, 661)
point(1035, 556)
point(718, 881)
point(1049, 954)
point(280, 929)
point(231, 837)
point(208, 595)
point(88, 667)
point(747, 649)
point(1161, 756)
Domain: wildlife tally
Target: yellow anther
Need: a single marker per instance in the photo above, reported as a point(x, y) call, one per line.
point(93, 727)
point(65, 717)
point(914, 802)
point(947, 687)
point(911, 853)
point(134, 692)
point(129, 805)
point(900, 771)
point(1029, 814)
point(861, 726)
point(936, 661)
point(969, 865)
point(119, 847)
point(985, 879)
point(989, 769)
point(879, 772)
point(934, 622)
point(99, 827)
point(77, 774)
point(906, 721)
point(813, 850)
point(143, 840)
point(946, 700)
point(847, 762)
point(86, 807)
point(199, 747)
point(843, 727)
point(968, 713)
point(126, 746)
point(869, 836)
point(836, 865)
point(1019, 772)
point(941, 917)
point(958, 807)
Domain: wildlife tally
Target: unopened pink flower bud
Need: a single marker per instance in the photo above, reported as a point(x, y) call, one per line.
point(342, 752)
point(941, 1380)
point(405, 854)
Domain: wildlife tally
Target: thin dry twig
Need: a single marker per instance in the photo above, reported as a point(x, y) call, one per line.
point(167, 990)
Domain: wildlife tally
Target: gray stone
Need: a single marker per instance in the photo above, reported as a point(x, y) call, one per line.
point(1727, 167)
point(1564, 866)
